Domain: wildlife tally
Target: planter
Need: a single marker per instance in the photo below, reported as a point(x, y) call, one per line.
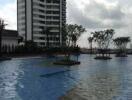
point(4, 58)
point(121, 55)
point(67, 62)
point(102, 58)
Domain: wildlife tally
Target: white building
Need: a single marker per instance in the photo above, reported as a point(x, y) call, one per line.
point(34, 16)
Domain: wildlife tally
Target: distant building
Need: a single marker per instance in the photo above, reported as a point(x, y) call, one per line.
point(10, 38)
point(34, 16)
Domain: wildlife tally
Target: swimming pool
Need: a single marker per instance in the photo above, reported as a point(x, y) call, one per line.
point(39, 79)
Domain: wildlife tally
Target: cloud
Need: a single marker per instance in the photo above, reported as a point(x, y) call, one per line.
point(8, 13)
point(92, 14)
point(101, 14)
point(96, 15)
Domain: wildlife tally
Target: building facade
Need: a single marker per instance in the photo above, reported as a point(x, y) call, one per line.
point(35, 17)
point(10, 38)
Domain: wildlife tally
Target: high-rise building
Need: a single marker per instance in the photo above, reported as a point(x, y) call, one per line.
point(41, 20)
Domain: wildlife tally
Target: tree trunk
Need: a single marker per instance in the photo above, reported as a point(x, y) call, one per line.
point(91, 48)
point(47, 40)
point(0, 43)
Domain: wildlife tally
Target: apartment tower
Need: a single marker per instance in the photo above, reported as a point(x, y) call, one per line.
point(38, 20)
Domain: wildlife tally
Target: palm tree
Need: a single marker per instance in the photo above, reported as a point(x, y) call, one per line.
point(47, 32)
point(90, 40)
point(121, 44)
point(2, 26)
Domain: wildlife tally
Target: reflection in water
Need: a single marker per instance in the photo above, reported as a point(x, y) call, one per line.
point(9, 73)
point(97, 87)
point(104, 84)
point(92, 80)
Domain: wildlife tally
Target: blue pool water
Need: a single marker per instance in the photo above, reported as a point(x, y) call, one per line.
point(30, 79)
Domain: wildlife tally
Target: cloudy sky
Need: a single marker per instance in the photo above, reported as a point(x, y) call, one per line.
point(92, 14)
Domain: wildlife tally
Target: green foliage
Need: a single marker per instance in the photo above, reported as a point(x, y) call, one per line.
point(30, 44)
point(64, 36)
point(20, 39)
point(63, 50)
point(103, 38)
point(90, 40)
point(47, 32)
point(73, 33)
point(2, 27)
point(121, 43)
point(31, 47)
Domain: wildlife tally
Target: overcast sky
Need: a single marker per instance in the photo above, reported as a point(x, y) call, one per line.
point(92, 14)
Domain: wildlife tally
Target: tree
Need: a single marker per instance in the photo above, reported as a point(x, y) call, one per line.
point(64, 36)
point(47, 32)
point(2, 26)
point(30, 46)
point(74, 40)
point(121, 44)
point(103, 39)
point(90, 40)
point(20, 39)
point(74, 32)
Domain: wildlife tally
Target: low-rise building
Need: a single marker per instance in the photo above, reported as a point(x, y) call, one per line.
point(10, 38)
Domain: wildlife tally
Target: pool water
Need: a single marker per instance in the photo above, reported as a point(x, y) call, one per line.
point(39, 79)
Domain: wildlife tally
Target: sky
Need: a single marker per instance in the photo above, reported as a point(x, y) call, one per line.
point(92, 14)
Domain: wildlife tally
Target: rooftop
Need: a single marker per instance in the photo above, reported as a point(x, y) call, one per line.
point(9, 33)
